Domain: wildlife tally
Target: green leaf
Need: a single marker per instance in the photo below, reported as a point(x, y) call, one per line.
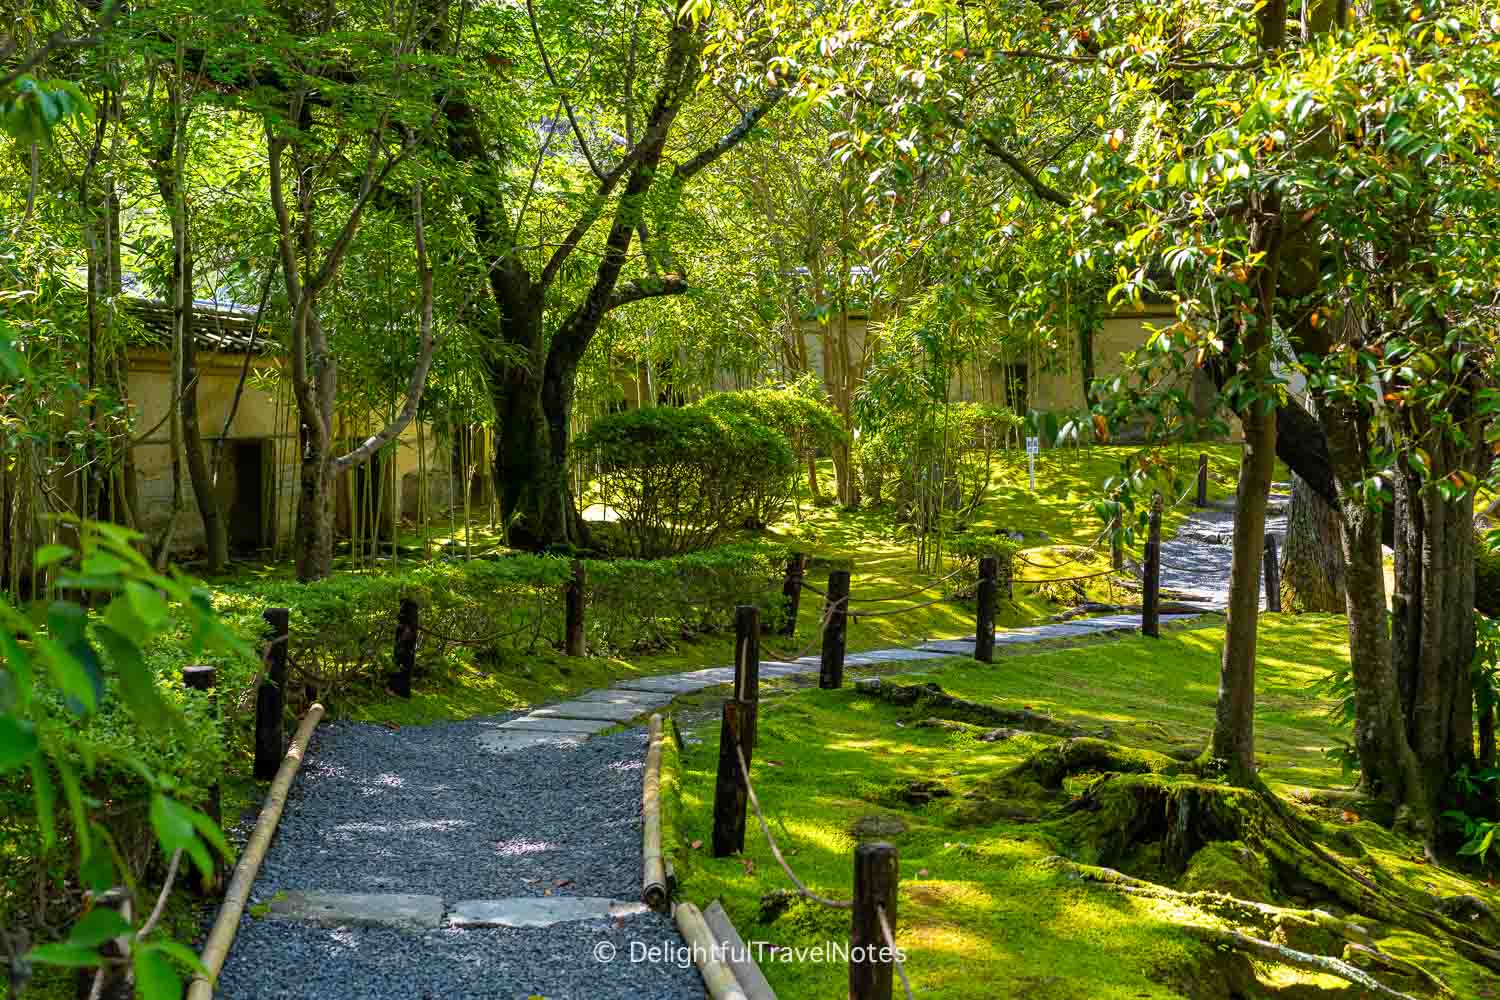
point(64, 953)
point(176, 831)
point(155, 979)
point(17, 742)
point(49, 554)
point(97, 926)
point(136, 682)
point(177, 950)
point(147, 603)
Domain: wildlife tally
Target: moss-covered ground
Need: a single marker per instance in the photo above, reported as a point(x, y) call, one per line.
point(981, 913)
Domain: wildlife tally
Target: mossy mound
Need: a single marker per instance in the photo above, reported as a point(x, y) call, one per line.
point(1230, 867)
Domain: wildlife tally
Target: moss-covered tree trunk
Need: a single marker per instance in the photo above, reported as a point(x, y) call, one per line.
point(1312, 562)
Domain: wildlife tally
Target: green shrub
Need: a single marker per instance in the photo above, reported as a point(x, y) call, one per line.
point(967, 548)
point(682, 479)
point(809, 426)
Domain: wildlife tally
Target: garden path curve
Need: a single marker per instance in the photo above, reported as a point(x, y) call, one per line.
point(500, 857)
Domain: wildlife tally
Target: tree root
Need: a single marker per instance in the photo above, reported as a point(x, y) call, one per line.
point(1222, 938)
point(1147, 809)
point(934, 699)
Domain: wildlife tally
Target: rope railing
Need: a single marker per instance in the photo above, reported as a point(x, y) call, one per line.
point(428, 630)
point(802, 889)
point(909, 593)
point(890, 942)
point(815, 641)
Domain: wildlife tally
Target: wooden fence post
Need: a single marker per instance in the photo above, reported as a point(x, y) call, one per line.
point(872, 964)
point(1202, 479)
point(984, 617)
point(270, 697)
point(1273, 575)
point(202, 678)
point(730, 795)
point(747, 671)
point(791, 592)
point(407, 619)
point(831, 671)
point(1151, 585)
point(1116, 545)
point(573, 612)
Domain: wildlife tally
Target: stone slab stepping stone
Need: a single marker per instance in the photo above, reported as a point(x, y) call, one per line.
point(538, 911)
point(601, 710)
point(621, 696)
point(509, 740)
point(552, 725)
point(358, 909)
point(671, 684)
point(950, 647)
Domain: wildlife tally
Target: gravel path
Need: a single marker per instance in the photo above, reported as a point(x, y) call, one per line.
point(1195, 561)
point(426, 810)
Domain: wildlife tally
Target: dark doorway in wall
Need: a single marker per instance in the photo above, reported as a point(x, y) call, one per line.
point(242, 490)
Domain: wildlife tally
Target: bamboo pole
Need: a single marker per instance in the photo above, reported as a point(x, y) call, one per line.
point(216, 950)
point(717, 976)
point(654, 878)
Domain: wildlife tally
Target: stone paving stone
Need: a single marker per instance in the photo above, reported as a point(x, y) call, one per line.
point(505, 741)
point(539, 911)
point(621, 696)
point(358, 909)
point(670, 684)
point(589, 710)
point(556, 725)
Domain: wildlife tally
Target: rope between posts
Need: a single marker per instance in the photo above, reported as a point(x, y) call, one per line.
point(1068, 579)
point(890, 941)
point(910, 593)
point(817, 640)
point(857, 615)
point(802, 889)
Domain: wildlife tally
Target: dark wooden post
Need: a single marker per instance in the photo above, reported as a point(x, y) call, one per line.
point(573, 612)
point(831, 672)
point(1116, 545)
point(270, 697)
point(984, 617)
point(1151, 585)
point(1202, 479)
point(791, 592)
point(1273, 575)
point(730, 795)
point(747, 671)
point(406, 647)
point(872, 964)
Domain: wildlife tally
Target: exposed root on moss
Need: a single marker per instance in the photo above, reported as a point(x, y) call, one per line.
point(1146, 809)
point(1221, 937)
point(937, 702)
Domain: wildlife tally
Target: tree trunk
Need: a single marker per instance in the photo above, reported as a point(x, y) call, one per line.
point(1387, 765)
point(314, 511)
point(1234, 716)
point(1312, 563)
point(1433, 628)
point(215, 530)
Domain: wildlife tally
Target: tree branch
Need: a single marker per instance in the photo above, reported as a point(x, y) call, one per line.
point(536, 32)
point(732, 138)
point(646, 288)
point(418, 378)
point(1040, 187)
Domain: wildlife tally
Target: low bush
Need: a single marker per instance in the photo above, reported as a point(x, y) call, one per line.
point(967, 548)
point(809, 426)
point(681, 479)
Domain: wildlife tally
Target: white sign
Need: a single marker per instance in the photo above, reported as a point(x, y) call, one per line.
point(1033, 446)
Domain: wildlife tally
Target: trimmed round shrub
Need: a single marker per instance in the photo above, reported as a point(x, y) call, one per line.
point(680, 479)
point(809, 426)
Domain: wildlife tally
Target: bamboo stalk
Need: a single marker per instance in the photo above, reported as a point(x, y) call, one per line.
point(216, 950)
point(654, 878)
point(706, 951)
